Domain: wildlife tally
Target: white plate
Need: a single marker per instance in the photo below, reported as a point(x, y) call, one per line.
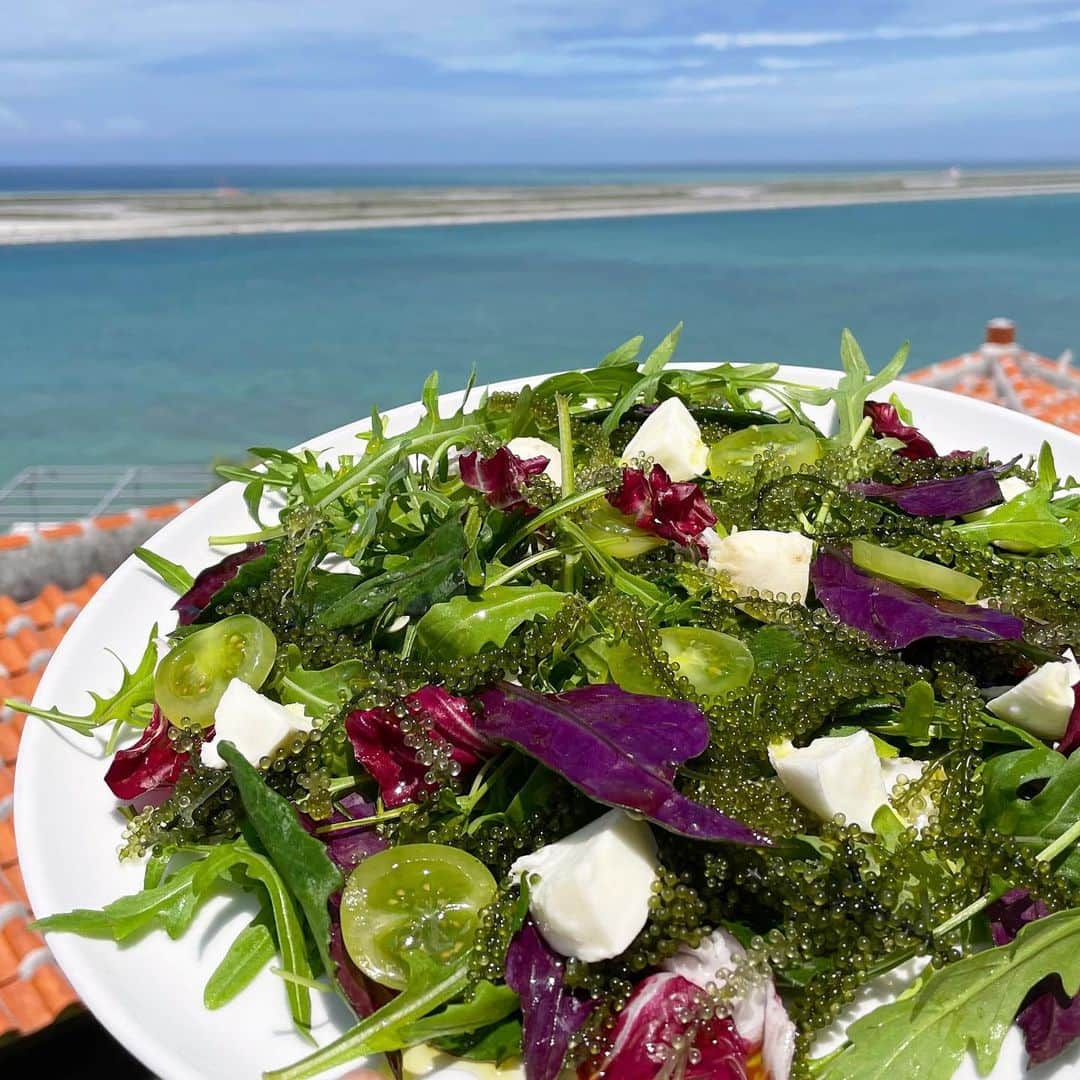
point(149, 994)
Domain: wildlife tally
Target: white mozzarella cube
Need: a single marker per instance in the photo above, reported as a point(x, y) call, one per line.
point(837, 774)
point(670, 436)
point(253, 723)
point(763, 560)
point(1042, 702)
point(590, 891)
point(527, 447)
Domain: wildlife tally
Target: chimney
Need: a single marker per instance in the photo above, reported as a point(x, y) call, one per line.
point(1001, 332)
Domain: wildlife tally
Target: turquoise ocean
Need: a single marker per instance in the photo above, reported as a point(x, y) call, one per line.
point(169, 351)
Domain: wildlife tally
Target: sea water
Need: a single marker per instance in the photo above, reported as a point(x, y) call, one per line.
point(157, 351)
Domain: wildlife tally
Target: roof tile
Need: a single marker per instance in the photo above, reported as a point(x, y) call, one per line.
point(24, 1003)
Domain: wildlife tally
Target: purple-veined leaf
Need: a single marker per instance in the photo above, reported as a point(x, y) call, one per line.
point(502, 477)
point(1071, 739)
point(347, 847)
point(897, 616)
point(885, 420)
point(551, 1013)
point(152, 763)
point(947, 498)
point(190, 606)
point(673, 511)
point(620, 749)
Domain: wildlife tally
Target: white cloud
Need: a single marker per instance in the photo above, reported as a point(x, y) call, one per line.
point(952, 31)
point(784, 63)
point(548, 63)
point(709, 84)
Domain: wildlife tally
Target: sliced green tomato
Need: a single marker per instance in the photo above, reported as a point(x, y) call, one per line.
point(616, 535)
point(918, 573)
point(189, 682)
point(796, 445)
point(714, 663)
point(417, 896)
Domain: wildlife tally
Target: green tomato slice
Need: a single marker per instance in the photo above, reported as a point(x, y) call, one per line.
point(425, 897)
point(796, 445)
point(715, 663)
point(189, 682)
point(918, 573)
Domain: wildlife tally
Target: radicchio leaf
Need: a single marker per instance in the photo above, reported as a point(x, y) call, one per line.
point(190, 606)
point(897, 616)
point(948, 498)
point(551, 1013)
point(649, 1036)
point(618, 748)
point(886, 422)
point(673, 511)
point(379, 743)
point(152, 763)
point(1049, 1018)
point(346, 847)
point(501, 477)
point(1071, 739)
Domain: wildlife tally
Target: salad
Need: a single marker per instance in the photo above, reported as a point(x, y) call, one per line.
point(628, 726)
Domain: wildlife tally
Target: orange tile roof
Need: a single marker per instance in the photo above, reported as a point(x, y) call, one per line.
point(33, 990)
point(65, 530)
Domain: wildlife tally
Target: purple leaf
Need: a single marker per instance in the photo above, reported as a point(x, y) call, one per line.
point(1049, 1018)
point(1071, 739)
point(152, 763)
point(381, 746)
point(502, 477)
point(897, 616)
point(348, 848)
point(673, 511)
point(649, 1038)
point(550, 1012)
point(949, 498)
point(190, 606)
point(886, 421)
point(618, 748)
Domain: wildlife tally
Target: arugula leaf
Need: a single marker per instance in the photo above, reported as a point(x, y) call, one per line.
point(1025, 523)
point(464, 625)
point(252, 950)
point(857, 384)
point(432, 573)
point(136, 690)
point(319, 690)
point(624, 354)
point(173, 574)
point(297, 856)
point(971, 1003)
point(644, 389)
point(1045, 816)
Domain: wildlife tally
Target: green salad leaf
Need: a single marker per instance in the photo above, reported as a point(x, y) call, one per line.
point(464, 625)
point(318, 690)
point(968, 1005)
point(173, 574)
point(857, 384)
point(253, 948)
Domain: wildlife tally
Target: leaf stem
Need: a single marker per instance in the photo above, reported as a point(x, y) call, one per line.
point(1066, 839)
point(527, 563)
point(374, 819)
point(556, 510)
point(271, 533)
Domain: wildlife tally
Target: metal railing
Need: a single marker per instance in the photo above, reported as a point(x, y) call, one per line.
point(45, 494)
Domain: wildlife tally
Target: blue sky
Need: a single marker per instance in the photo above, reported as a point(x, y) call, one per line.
point(561, 81)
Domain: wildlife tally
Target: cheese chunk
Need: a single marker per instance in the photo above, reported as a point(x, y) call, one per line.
point(591, 890)
point(670, 436)
point(762, 560)
point(253, 723)
point(526, 447)
point(1043, 702)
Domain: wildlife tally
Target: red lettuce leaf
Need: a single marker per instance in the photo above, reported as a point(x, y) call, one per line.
point(191, 605)
point(550, 1012)
point(152, 763)
point(676, 512)
point(1071, 739)
point(1049, 1018)
point(382, 747)
point(886, 421)
point(348, 848)
point(501, 477)
point(897, 616)
point(618, 748)
point(947, 498)
point(649, 1038)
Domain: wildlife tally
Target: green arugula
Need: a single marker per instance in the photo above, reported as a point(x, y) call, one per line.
point(497, 1042)
point(432, 573)
point(319, 690)
point(643, 390)
point(173, 574)
point(967, 1005)
point(297, 856)
point(124, 706)
point(253, 948)
point(857, 384)
point(1048, 814)
point(464, 625)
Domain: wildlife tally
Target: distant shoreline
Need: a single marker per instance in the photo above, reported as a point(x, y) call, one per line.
point(53, 218)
